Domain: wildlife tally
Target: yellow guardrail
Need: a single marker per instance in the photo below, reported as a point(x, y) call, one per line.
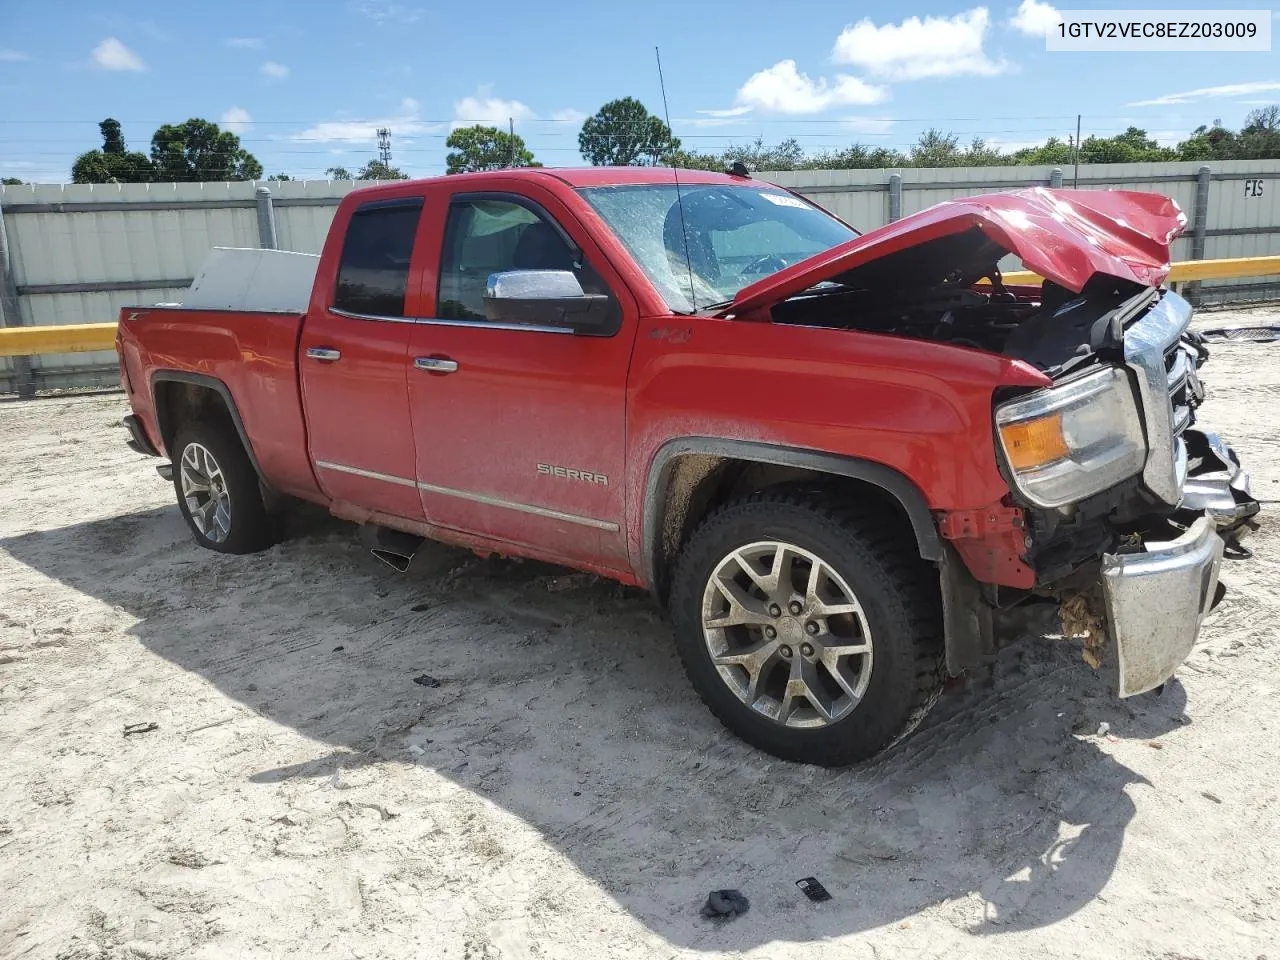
point(83, 337)
point(63, 338)
point(1185, 271)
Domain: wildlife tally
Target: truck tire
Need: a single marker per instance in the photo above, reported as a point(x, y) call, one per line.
point(809, 627)
point(217, 489)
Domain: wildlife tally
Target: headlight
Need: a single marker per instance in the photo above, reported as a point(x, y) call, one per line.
point(1069, 442)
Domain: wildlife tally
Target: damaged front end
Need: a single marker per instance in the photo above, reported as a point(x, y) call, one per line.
point(1120, 511)
point(1163, 533)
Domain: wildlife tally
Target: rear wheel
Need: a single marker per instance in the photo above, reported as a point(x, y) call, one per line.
point(217, 488)
point(810, 629)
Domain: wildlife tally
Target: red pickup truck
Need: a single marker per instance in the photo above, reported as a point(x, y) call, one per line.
point(847, 464)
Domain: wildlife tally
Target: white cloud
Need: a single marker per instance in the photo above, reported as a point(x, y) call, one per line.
point(405, 123)
point(728, 112)
point(485, 108)
point(381, 12)
point(783, 89)
point(569, 115)
point(111, 54)
point(244, 43)
point(1206, 93)
point(9, 55)
point(273, 70)
point(918, 49)
point(1035, 18)
point(237, 120)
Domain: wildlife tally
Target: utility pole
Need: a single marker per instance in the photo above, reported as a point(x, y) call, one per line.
point(1075, 180)
point(511, 125)
point(384, 146)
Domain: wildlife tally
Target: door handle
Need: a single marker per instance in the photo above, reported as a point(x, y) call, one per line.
point(328, 354)
point(436, 364)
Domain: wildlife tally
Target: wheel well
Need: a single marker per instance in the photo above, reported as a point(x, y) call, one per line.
point(178, 402)
point(697, 484)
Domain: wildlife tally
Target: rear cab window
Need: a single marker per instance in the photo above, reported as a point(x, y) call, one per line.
point(373, 272)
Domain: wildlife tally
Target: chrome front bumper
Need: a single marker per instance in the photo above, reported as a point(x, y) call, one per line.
point(1156, 601)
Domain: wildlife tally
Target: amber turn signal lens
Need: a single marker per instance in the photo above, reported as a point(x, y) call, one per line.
point(1034, 443)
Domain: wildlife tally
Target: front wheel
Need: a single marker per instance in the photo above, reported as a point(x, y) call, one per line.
point(217, 488)
point(810, 629)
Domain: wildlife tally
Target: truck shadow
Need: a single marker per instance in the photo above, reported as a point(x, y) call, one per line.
point(558, 697)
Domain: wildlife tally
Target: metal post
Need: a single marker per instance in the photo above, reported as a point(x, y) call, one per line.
point(10, 316)
point(895, 197)
point(266, 220)
point(1075, 180)
point(1055, 178)
point(1199, 223)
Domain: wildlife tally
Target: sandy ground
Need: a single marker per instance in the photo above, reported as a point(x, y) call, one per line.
point(560, 792)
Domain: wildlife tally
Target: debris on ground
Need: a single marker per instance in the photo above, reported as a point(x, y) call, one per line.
point(569, 581)
point(145, 726)
point(1103, 729)
point(725, 904)
point(1079, 620)
point(1267, 333)
point(813, 889)
point(1210, 796)
point(426, 680)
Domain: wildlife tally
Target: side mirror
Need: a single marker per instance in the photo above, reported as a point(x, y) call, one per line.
point(546, 298)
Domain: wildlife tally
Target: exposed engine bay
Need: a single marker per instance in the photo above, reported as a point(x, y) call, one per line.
point(926, 292)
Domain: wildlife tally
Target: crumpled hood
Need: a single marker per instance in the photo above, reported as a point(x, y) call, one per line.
point(1063, 235)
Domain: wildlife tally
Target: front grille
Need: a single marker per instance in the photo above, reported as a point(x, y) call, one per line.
point(1164, 368)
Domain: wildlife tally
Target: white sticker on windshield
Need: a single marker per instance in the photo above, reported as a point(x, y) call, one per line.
point(785, 200)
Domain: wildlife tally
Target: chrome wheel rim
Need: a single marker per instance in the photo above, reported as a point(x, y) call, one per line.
point(204, 490)
point(787, 634)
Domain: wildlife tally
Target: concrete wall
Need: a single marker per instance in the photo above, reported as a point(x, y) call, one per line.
point(79, 253)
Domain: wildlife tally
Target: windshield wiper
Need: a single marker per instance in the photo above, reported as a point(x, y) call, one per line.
point(719, 305)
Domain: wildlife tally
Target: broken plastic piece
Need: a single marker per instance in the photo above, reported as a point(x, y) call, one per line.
point(814, 890)
point(725, 904)
point(426, 680)
point(146, 726)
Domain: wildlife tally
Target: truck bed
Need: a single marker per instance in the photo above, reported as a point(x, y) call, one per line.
point(254, 353)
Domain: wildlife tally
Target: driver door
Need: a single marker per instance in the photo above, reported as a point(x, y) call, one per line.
point(520, 429)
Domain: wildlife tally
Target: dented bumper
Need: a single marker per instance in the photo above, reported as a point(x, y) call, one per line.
point(1156, 601)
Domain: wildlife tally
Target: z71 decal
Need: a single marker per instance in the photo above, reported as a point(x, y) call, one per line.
point(566, 473)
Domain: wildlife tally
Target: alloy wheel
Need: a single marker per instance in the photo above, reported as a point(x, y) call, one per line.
point(204, 489)
point(787, 634)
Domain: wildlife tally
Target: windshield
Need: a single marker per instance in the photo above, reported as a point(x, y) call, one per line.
point(733, 235)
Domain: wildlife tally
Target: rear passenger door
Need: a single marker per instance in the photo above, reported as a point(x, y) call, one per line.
point(352, 364)
point(520, 429)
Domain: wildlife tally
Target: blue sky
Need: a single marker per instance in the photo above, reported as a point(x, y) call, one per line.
point(305, 85)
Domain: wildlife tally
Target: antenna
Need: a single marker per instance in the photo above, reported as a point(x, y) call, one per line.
point(384, 146)
point(675, 173)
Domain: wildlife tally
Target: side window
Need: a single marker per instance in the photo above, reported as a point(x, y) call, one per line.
point(485, 236)
point(375, 258)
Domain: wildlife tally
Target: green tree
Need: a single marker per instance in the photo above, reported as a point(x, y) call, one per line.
point(339, 173)
point(377, 170)
point(933, 148)
point(198, 151)
point(486, 148)
point(112, 163)
point(624, 133)
point(11, 182)
point(1053, 151)
point(787, 155)
point(280, 177)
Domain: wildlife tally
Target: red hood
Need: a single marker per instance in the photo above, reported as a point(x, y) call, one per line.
point(1063, 235)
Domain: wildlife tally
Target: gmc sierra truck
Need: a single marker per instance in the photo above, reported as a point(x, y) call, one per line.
point(847, 464)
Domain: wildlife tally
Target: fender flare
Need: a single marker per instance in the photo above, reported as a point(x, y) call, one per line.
point(216, 385)
point(896, 484)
